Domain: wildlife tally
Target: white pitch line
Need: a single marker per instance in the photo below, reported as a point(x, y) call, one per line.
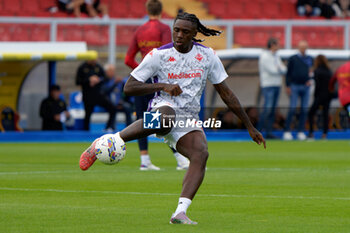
point(36, 172)
point(173, 194)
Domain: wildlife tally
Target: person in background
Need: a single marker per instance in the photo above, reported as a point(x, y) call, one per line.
point(112, 88)
point(70, 6)
point(90, 77)
point(150, 35)
point(298, 81)
point(94, 7)
point(308, 8)
point(342, 8)
point(322, 96)
point(342, 76)
point(53, 110)
point(327, 8)
point(271, 70)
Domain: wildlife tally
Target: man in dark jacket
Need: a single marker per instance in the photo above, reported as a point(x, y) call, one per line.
point(298, 86)
point(90, 76)
point(53, 110)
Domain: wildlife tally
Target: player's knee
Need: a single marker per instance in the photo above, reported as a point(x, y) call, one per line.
point(168, 117)
point(200, 157)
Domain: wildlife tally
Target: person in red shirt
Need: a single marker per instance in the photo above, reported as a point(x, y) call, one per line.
point(150, 35)
point(342, 76)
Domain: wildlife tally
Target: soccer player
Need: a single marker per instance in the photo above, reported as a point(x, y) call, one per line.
point(342, 76)
point(182, 68)
point(152, 34)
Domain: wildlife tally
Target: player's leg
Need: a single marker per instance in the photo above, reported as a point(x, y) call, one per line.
point(194, 146)
point(311, 117)
point(347, 108)
point(182, 161)
point(89, 108)
point(304, 94)
point(325, 114)
point(291, 112)
point(141, 105)
point(104, 102)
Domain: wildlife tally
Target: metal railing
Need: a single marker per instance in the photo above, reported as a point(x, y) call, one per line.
point(228, 24)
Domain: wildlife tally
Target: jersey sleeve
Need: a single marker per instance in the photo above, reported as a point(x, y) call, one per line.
point(148, 67)
point(131, 53)
point(217, 73)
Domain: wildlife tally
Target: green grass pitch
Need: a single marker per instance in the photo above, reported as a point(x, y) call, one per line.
point(289, 187)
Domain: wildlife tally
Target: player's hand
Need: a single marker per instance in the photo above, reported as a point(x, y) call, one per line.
point(257, 137)
point(172, 89)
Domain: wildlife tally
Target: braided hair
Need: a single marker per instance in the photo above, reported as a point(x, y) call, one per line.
point(200, 27)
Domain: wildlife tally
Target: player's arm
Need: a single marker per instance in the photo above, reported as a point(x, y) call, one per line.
point(133, 87)
point(233, 104)
point(131, 54)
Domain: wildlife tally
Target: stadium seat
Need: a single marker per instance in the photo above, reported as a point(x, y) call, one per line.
point(118, 9)
point(44, 4)
point(218, 8)
point(92, 35)
point(5, 34)
point(243, 36)
point(70, 33)
point(137, 9)
point(235, 10)
point(20, 32)
point(252, 10)
point(287, 10)
point(30, 6)
point(270, 10)
point(76, 100)
point(12, 6)
point(40, 33)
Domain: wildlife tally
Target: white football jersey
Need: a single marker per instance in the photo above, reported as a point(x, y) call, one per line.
point(189, 70)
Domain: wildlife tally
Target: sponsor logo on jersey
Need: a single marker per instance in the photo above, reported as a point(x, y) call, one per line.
point(171, 59)
point(197, 73)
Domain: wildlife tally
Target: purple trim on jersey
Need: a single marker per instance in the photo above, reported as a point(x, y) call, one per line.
point(155, 80)
point(166, 46)
point(195, 43)
point(149, 105)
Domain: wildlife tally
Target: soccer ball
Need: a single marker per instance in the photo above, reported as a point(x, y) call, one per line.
point(110, 148)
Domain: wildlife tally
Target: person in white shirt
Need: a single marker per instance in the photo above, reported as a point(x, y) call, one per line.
point(271, 70)
point(182, 69)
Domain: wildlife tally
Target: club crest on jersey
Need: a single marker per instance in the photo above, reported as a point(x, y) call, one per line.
point(199, 57)
point(171, 59)
point(196, 73)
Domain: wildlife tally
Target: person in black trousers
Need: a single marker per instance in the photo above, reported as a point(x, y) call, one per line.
point(90, 76)
point(322, 97)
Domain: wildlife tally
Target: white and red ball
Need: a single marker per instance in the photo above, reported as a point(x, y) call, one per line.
point(110, 149)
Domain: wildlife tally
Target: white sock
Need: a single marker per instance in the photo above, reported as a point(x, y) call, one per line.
point(145, 160)
point(180, 158)
point(184, 203)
